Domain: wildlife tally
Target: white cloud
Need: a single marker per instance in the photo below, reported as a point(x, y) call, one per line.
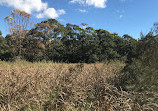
point(83, 10)
point(26, 5)
point(120, 13)
point(51, 13)
point(61, 12)
point(121, 16)
point(77, 1)
point(95, 3)
point(37, 6)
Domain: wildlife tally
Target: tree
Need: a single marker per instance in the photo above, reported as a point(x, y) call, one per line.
point(50, 40)
point(5, 50)
point(130, 45)
point(46, 30)
point(0, 33)
point(155, 29)
point(142, 74)
point(35, 50)
point(18, 26)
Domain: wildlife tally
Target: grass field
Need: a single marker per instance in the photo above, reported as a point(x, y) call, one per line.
point(50, 86)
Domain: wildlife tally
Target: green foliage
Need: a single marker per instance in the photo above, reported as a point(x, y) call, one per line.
point(50, 40)
point(55, 51)
point(142, 74)
point(0, 33)
point(33, 50)
point(5, 50)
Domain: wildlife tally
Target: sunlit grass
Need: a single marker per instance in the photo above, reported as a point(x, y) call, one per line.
point(48, 86)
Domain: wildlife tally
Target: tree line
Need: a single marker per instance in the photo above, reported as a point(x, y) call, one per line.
point(52, 41)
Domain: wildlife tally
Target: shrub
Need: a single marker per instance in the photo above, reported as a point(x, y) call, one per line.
point(5, 50)
point(142, 73)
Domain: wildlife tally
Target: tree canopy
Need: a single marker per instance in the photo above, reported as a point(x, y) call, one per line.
point(50, 40)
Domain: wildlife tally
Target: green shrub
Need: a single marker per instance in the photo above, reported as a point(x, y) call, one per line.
point(142, 74)
point(5, 50)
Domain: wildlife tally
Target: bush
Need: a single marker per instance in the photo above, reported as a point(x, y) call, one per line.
point(5, 50)
point(142, 74)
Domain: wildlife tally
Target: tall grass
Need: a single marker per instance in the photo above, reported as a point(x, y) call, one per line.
point(50, 86)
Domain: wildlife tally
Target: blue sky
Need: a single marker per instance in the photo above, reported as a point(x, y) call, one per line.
point(120, 16)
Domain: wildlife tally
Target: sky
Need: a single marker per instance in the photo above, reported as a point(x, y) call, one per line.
point(116, 16)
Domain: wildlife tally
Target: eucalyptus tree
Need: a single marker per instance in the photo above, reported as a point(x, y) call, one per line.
point(46, 33)
point(47, 30)
point(18, 25)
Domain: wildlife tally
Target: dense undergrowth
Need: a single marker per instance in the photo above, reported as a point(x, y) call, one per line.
point(26, 86)
point(141, 75)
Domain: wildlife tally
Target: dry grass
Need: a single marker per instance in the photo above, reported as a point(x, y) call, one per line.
point(50, 86)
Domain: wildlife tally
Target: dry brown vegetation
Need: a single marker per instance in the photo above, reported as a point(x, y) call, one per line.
point(50, 86)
